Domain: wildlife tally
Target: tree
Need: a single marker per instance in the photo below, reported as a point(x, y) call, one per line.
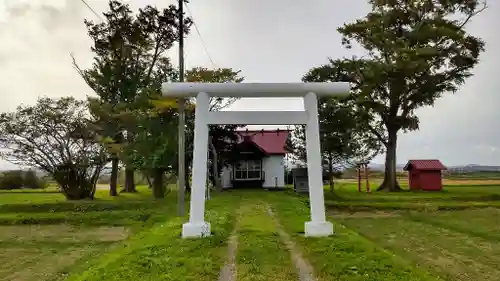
point(155, 147)
point(222, 137)
point(153, 124)
point(217, 75)
point(344, 142)
point(53, 136)
point(11, 180)
point(105, 125)
point(152, 120)
point(32, 181)
point(416, 52)
point(129, 49)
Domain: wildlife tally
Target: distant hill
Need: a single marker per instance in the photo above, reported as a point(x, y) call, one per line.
point(470, 168)
point(105, 171)
point(380, 167)
point(37, 172)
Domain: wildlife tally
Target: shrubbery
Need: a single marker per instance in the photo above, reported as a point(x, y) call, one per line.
point(36, 131)
point(19, 179)
point(11, 180)
point(32, 181)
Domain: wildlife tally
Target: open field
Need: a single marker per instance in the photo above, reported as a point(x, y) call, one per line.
point(459, 245)
point(374, 182)
point(452, 234)
point(447, 182)
point(452, 197)
point(261, 251)
point(257, 235)
point(44, 237)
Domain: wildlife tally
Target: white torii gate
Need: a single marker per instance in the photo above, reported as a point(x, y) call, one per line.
point(197, 226)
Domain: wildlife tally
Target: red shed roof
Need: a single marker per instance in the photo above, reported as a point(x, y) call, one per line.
point(429, 165)
point(271, 142)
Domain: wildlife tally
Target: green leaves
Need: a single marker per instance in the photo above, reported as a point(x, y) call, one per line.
point(218, 75)
point(51, 133)
point(417, 52)
point(165, 103)
point(344, 138)
point(130, 64)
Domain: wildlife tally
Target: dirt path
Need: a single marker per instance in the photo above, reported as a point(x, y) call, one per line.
point(304, 269)
point(301, 269)
point(228, 271)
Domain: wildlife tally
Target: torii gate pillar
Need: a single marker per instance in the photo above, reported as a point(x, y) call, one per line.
point(197, 226)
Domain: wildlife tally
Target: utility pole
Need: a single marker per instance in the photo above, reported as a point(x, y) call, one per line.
point(182, 116)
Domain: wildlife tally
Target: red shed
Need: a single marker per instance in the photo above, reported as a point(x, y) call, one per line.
point(424, 174)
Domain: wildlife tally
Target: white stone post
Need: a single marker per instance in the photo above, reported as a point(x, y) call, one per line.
point(197, 227)
point(318, 226)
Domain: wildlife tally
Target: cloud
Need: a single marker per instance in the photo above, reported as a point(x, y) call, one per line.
point(270, 41)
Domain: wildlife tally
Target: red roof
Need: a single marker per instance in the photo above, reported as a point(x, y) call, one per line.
point(271, 142)
point(428, 165)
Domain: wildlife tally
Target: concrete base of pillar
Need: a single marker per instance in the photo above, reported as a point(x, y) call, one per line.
point(195, 230)
point(318, 229)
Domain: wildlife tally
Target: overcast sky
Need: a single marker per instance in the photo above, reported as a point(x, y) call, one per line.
point(270, 41)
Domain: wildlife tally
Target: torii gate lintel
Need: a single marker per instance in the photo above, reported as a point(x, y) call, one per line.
point(197, 226)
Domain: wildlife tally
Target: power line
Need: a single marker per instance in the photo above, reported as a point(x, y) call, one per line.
point(91, 9)
point(190, 15)
point(201, 37)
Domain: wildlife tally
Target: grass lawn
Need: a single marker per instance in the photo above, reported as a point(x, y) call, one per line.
point(44, 237)
point(453, 250)
point(447, 180)
point(452, 234)
point(452, 197)
point(160, 253)
point(261, 253)
point(345, 256)
point(425, 236)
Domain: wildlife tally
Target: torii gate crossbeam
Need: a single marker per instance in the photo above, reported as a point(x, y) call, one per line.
point(197, 226)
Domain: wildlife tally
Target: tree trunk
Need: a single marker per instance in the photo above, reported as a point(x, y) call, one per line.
point(367, 178)
point(148, 179)
point(330, 172)
point(129, 171)
point(113, 180)
point(77, 191)
point(358, 172)
point(187, 178)
point(73, 184)
point(215, 168)
point(158, 189)
point(390, 182)
point(129, 180)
